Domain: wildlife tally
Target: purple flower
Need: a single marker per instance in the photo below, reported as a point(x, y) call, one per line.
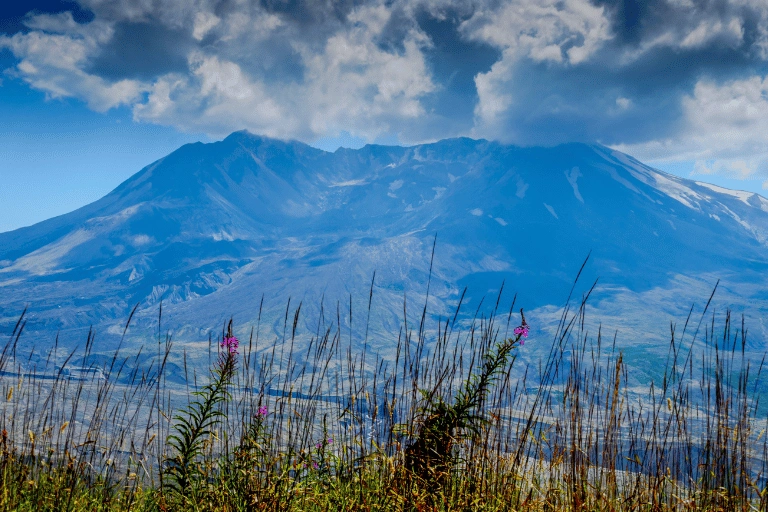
point(262, 412)
point(330, 440)
point(230, 343)
point(315, 465)
point(319, 445)
point(522, 330)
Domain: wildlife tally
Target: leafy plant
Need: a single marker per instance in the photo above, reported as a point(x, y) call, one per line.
point(442, 424)
point(195, 425)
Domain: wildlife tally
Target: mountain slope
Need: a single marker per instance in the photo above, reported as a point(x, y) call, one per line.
point(211, 228)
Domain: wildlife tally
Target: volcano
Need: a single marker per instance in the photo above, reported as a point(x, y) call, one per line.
point(217, 230)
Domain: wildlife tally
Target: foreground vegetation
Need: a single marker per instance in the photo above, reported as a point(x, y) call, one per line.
point(443, 426)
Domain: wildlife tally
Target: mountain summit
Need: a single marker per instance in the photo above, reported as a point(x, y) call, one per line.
point(211, 228)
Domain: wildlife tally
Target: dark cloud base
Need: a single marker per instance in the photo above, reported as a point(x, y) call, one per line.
point(142, 51)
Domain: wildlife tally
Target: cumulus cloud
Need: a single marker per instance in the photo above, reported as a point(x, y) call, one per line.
point(543, 30)
point(341, 76)
point(53, 55)
point(214, 97)
point(690, 32)
point(204, 22)
point(724, 129)
point(562, 32)
point(349, 84)
point(662, 79)
point(355, 85)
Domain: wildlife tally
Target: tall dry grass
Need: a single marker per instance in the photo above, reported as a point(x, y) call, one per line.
point(441, 426)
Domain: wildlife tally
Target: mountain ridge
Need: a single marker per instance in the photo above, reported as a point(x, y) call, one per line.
point(209, 221)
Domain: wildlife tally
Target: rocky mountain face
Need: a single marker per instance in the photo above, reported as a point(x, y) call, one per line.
point(212, 228)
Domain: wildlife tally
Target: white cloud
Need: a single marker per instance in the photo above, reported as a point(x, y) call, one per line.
point(53, 56)
point(251, 28)
point(364, 71)
point(560, 32)
point(689, 32)
point(542, 30)
point(494, 95)
point(354, 85)
point(759, 9)
point(686, 26)
point(623, 103)
point(724, 130)
point(731, 32)
point(204, 22)
point(348, 83)
point(736, 167)
point(172, 13)
point(216, 97)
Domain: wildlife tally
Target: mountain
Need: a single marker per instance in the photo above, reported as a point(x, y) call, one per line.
point(211, 228)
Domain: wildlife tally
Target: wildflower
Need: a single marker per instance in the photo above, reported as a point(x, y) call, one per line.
point(230, 343)
point(522, 329)
point(262, 412)
point(315, 465)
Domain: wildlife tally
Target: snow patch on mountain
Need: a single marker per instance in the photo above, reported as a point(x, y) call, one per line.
point(493, 264)
point(610, 168)
point(738, 194)
point(222, 235)
point(141, 240)
point(679, 192)
point(551, 210)
point(109, 221)
point(761, 235)
point(134, 276)
point(521, 188)
point(572, 176)
point(348, 183)
point(637, 170)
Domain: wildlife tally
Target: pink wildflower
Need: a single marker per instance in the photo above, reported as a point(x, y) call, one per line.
point(230, 343)
point(262, 411)
point(522, 329)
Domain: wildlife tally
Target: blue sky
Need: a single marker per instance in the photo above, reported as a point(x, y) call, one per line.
point(93, 90)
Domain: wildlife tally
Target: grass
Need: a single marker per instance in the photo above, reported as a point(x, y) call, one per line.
point(441, 427)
